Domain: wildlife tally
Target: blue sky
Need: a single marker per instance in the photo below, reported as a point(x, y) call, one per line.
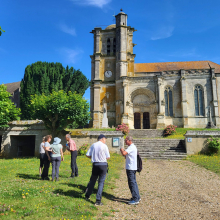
point(59, 31)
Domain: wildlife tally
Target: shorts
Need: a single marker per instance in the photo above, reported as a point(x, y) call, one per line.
point(41, 160)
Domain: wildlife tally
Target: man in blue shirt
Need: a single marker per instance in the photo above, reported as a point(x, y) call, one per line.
point(131, 167)
point(99, 155)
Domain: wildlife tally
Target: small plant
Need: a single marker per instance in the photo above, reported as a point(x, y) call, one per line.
point(169, 130)
point(213, 145)
point(123, 128)
point(83, 149)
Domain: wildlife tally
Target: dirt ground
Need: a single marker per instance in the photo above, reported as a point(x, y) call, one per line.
point(169, 190)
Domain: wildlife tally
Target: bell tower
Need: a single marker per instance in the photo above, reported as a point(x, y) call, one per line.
point(121, 44)
point(111, 63)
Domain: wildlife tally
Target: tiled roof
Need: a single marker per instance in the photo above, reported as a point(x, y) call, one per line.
point(11, 87)
point(168, 66)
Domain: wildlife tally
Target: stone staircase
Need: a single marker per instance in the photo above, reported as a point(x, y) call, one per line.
point(146, 133)
point(171, 149)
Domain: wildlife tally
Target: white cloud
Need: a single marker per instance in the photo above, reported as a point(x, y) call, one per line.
point(71, 55)
point(96, 3)
point(68, 30)
point(163, 32)
point(185, 53)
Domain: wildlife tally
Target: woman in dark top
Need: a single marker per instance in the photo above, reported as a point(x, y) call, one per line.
point(47, 158)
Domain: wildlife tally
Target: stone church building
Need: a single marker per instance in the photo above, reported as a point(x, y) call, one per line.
point(148, 95)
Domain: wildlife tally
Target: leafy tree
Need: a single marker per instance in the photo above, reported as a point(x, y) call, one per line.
point(1, 31)
point(43, 78)
point(59, 109)
point(8, 111)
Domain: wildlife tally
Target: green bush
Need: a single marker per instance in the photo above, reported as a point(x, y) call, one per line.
point(213, 145)
point(83, 149)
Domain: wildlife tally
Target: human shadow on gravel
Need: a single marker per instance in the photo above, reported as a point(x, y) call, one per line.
point(81, 194)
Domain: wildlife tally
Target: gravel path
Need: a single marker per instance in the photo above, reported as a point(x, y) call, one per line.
point(169, 190)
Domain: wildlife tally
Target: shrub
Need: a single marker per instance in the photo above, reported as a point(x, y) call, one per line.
point(123, 128)
point(213, 145)
point(83, 149)
point(169, 130)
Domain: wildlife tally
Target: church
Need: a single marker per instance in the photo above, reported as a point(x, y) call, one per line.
point(148, 95)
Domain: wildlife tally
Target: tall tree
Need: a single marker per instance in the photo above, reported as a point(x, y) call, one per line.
point(1, 31)
point(59, 109)
point(8, 111)
point(43, 78)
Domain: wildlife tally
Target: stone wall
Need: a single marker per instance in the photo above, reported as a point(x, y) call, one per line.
point(90, 137)
point(23, 138)
point(198, 140)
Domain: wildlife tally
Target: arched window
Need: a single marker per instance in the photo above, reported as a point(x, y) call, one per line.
point(168, 94)
point(198, 97)
point(108, 46)
point(114, 46)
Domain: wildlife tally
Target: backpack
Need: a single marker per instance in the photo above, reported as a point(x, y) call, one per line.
point(139, 163)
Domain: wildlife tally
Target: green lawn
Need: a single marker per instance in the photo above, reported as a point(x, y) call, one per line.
point(180, 132)
point(24, 195)
point(209, 162)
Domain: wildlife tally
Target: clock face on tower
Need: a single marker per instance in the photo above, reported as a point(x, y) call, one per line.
point(108, 73)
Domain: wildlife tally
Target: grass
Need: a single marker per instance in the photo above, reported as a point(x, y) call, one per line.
point(180, 132)
point(209, 162)
point(24, 195)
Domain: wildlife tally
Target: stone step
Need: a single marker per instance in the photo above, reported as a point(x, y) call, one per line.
point(163, 149)
point(160, 148)
point(163, 158)
point(157, 151)
point(159, 141)
point(162, 155)
point(149, 133)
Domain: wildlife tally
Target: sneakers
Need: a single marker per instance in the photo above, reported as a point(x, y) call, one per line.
point(133, 202)
point(132, 199)
point(98, 204)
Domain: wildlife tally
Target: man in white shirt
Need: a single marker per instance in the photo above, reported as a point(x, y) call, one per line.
point(99, 155)
point(131, 167)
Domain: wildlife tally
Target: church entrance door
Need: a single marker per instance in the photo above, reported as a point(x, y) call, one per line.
point(146, 120)
point(137, 120)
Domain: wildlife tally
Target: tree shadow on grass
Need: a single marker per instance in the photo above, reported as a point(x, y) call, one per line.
point(81, 194)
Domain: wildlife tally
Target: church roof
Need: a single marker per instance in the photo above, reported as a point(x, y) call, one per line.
point(169, 66)
point(11, 87)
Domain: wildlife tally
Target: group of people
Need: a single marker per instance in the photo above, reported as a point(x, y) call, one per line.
point(99, 154)
point(54, 154)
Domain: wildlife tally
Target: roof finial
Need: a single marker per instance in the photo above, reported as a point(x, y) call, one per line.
point(121, 9)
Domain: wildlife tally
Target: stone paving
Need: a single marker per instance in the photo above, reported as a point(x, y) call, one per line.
point(169, 190)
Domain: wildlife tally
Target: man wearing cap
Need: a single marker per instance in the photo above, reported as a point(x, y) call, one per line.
point(99, 155)
point(71, 146)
